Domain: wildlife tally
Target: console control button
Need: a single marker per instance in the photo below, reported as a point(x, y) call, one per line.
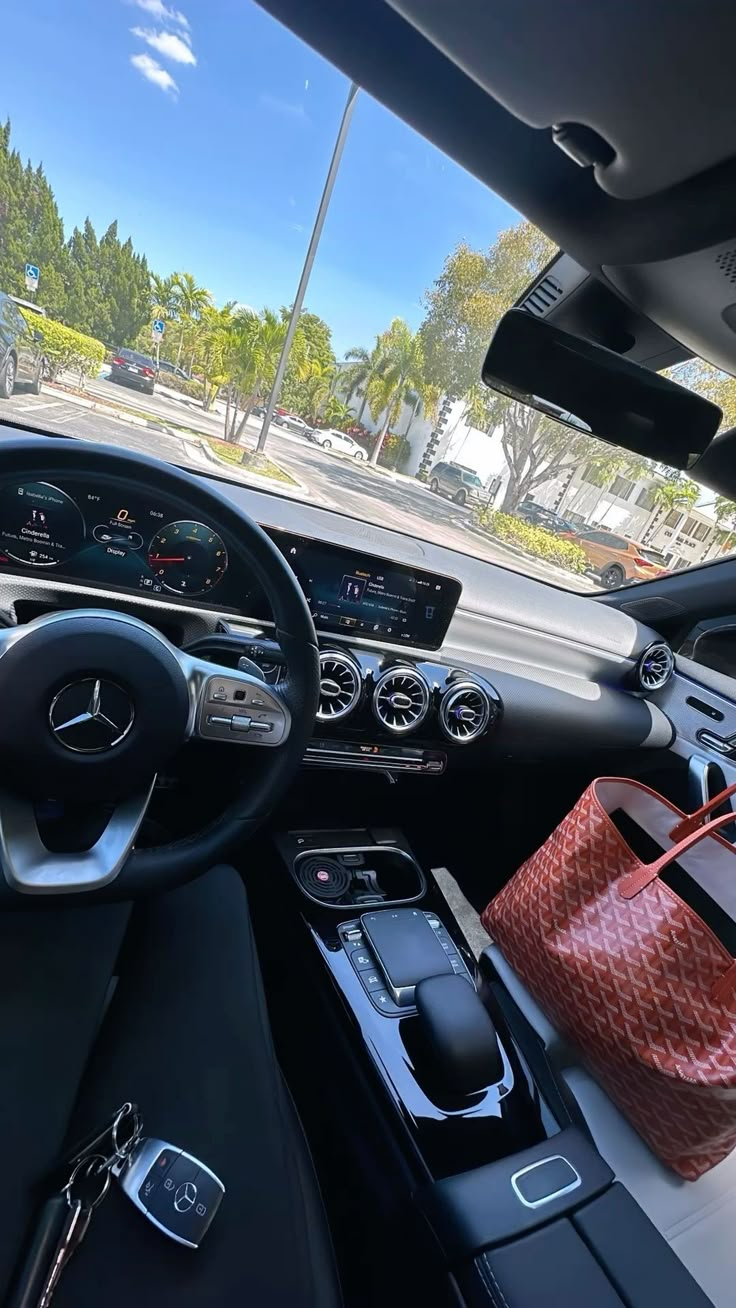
point(372, 980)
point(385, 1004)
point(361, 959)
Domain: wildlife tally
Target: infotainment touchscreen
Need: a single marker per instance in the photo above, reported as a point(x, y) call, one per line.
point(370, 597)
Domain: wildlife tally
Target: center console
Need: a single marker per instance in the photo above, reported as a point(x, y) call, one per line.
point(518, 1201)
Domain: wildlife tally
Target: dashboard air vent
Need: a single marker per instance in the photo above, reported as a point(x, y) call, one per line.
point(465, 712)
point(544, 295)
point(655, 667)
point(401, 700)
point(339, 686)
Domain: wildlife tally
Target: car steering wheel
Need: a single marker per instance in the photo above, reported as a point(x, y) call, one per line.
point(94, 702)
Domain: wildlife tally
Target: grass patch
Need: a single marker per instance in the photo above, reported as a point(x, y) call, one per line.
point(246, 459)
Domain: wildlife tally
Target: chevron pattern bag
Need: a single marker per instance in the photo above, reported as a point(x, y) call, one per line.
point(627, 969)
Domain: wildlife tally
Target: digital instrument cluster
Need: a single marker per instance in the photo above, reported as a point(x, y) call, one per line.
point(116, 536)
point(109, 536)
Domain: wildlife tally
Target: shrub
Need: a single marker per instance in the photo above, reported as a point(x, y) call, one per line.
point(66, 348)
point(193, 388)
point(543, 544)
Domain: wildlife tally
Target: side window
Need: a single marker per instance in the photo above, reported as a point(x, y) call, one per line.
point(596, 537)
point(712, 642)
point(17, 321)
point(616, 542)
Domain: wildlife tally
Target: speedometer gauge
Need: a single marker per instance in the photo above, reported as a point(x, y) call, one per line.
point(187, 557)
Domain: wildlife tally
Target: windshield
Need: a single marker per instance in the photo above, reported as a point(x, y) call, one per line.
point(177, 245)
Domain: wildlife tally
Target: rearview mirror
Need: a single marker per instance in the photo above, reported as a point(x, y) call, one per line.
point(592, 389)
point(38, 336)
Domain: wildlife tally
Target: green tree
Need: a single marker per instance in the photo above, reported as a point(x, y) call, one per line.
point(31, 229)
point(190, 300)
point(399, 378)
point(360, 370)
point(676, 492)
point(338, 413)
point(473, 290)
point(125, 282)
point(313, 388)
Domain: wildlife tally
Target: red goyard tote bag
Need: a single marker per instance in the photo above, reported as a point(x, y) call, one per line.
point(628, 970)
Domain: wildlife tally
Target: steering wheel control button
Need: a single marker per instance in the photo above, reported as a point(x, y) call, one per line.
point(174, 1190)
point(257, 715)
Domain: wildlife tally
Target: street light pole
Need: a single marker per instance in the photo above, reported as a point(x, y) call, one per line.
point(319, 223)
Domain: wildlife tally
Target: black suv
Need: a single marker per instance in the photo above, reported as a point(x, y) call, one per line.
point(21, 356)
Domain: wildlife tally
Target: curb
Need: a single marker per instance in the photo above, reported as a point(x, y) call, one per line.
point(295, 491)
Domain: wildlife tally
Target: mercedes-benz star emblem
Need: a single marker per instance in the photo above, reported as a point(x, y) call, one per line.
point(185, 1197)
point(91, 715)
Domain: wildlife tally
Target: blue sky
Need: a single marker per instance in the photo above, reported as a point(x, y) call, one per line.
point(211, 151)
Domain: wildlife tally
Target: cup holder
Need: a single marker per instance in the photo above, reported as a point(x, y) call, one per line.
point(357, 877)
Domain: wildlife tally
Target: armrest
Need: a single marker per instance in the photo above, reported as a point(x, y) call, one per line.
point(503, 1200)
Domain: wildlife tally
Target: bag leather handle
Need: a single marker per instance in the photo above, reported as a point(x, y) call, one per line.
point(693, 820)
point(631, 885)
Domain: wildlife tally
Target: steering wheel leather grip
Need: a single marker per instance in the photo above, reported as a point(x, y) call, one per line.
point(80, 646)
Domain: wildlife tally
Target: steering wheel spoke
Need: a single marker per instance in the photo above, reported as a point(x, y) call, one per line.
point(32, 869)
point(233, 706)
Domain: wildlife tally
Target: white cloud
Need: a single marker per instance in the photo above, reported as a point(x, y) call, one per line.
point(157, 9)
point(285, 108)
point(153, 72)
point(167, 44)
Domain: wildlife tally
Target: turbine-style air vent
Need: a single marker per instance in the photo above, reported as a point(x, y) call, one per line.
point(401, 700)
point(465, 712)
point(339, 687)
point(655, 667)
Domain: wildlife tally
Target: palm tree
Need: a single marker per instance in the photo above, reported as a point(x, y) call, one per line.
point(338, 413)
point(191, 300)
point(164, 299)
point(399, 375)
point(360, 372)
point(315, 384)
point(669, 495)
point(255, 349)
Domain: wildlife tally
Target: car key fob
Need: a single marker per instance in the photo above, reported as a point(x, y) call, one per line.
point(175, 1191)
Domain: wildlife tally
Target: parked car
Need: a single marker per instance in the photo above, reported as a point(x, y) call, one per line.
point(292, 423)
point(616, 560)
point(332, 439)
point(21, 355)
point(134, 369)
point(539, 516)
point(258, 411)
point(173, 369)
point(457, 482)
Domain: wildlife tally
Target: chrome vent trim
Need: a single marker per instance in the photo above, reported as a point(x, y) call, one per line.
point(655, 666)
point(465, 712)
point(401, 700)
point(340, 684)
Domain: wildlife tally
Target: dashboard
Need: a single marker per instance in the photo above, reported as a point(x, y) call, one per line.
point(118, 537)
point(520, 666)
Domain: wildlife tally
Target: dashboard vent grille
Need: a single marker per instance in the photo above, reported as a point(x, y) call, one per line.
point(544, 295)
point(401, 700)
point(465, 712)
point(339, 686)
point(655, 667)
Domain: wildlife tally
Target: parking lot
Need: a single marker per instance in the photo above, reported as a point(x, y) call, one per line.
point(323, 477)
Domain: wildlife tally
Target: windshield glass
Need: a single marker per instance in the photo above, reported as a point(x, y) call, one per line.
point(161, 210)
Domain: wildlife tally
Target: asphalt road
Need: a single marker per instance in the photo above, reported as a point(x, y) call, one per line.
point(329, 480)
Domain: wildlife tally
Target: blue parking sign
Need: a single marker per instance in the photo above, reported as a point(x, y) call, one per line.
point(158, 326)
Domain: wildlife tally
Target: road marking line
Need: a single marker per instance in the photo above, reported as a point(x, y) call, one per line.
point(45, 404)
